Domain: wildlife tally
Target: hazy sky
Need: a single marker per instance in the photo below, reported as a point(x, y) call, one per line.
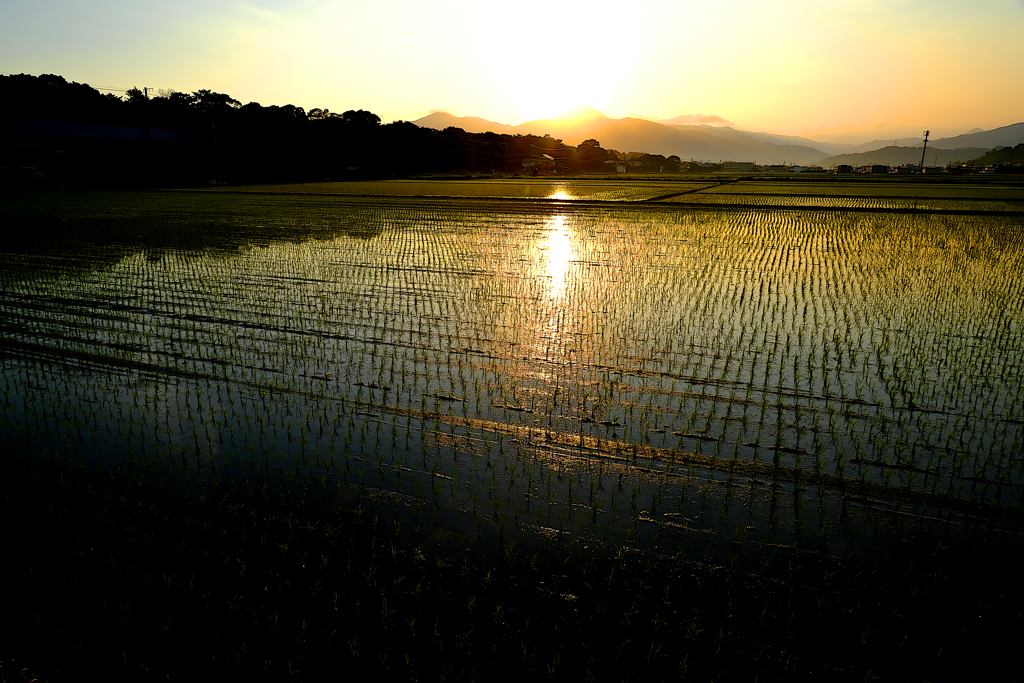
point(865, 69)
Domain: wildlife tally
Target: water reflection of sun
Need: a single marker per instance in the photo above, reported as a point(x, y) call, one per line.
point(559, 194)
point(552, 324)
point(560, 255)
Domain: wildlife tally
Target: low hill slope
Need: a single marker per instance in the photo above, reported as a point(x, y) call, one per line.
point(1005, 155)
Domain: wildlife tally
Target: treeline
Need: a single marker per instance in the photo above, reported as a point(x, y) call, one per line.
point(205, 136)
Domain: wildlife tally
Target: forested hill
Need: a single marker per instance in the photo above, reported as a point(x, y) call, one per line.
point(73, 131)
point(1003, 155)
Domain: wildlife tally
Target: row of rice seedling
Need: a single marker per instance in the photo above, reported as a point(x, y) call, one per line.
point(840, 202)
point(633, 375)
point(875, 188)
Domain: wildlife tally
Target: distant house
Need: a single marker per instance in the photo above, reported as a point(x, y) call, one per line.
point(873, 168)
point(969, 168)
point(542, 162)
point(777, 168)
point(844, 168)
point(737, 166)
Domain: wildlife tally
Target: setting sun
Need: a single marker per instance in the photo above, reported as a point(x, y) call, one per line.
point(545, 69)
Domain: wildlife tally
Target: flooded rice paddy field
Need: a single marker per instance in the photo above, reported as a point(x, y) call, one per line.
point(697, 378)
point(871, 193)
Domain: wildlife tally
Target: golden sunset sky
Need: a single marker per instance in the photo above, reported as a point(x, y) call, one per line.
point(851, 70)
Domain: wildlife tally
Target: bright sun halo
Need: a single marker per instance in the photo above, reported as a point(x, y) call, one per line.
point(531, 73)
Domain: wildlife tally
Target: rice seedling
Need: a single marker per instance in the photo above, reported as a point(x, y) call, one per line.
point(606, 373)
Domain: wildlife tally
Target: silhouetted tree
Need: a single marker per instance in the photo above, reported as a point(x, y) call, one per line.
point(208, 101)
point(181, 99)
point(321, 114)
point(294, 112)
point(134, 96)
point(360, 118)
point(590, 156)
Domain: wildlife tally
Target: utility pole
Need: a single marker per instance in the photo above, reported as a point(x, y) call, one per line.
point(925, 150)
point(148, 136)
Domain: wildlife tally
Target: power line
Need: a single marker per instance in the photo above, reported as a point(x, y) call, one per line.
point(94, 87)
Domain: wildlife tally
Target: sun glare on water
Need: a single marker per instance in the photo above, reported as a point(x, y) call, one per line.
point(551, 338)
point(560, 254)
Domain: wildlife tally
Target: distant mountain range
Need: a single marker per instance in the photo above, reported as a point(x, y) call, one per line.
point(897, 156)
point(725, 143)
